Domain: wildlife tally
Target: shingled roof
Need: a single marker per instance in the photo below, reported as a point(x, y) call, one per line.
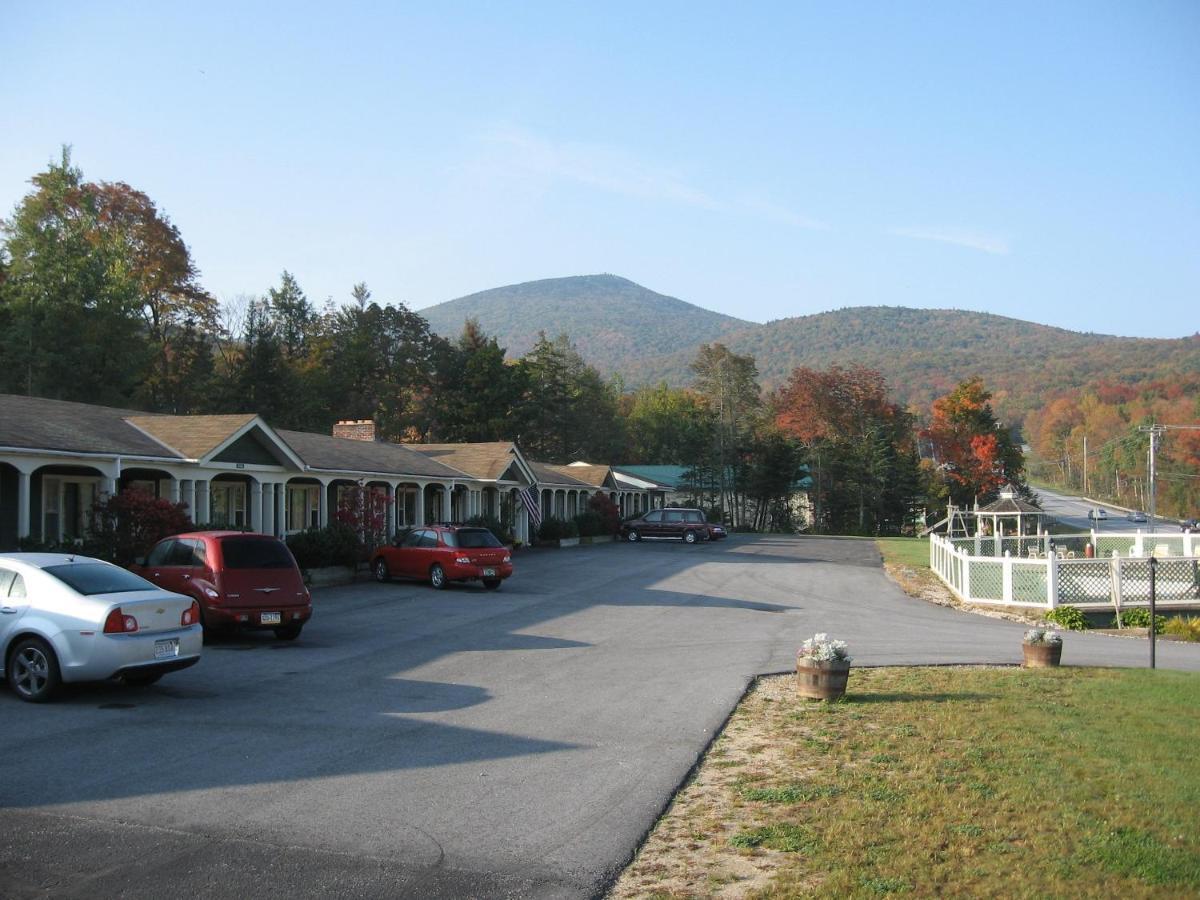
point(588, 473)
point(35, 423)
point(547, 473)
point(320, 451)
point(193, 436)
point(485, 460)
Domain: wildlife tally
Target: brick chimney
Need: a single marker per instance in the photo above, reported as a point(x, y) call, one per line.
point(355, 429)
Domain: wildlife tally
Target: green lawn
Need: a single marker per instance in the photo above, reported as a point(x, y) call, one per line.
point(905, 551)
point(968, 782)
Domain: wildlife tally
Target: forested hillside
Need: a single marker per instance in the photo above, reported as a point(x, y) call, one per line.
point(624, 329)
point(611, 320)
point(923, 353)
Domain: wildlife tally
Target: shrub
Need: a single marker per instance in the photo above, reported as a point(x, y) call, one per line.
point(554, 529)
point(495, 526)
point(1187, 628)
point(316, 548)
point(127, 525)
point(1068, 617)
point(589, 523)
point(610, 515)
point(1140, 618)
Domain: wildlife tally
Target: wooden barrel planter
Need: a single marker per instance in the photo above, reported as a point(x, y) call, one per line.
point(821, 680)
point(1042, 656)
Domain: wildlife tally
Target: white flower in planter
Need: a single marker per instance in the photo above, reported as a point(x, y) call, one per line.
point(821, 649)
point(1042, 636)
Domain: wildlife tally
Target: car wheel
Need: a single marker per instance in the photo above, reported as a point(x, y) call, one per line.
point(689, 537)
point(289, 632)
point(633, 537)
point(141, 679)
point(381, 570)
point(491, 583)
point(437, 577)
point(33, 670)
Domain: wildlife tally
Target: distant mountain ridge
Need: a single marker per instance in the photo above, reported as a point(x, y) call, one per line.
point(623, 328)
point(608, 318)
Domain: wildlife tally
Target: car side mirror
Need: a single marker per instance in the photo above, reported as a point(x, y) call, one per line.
point(139, 561)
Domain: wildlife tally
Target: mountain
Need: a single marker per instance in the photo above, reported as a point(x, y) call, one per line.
point(621, 327)
point(611, 320)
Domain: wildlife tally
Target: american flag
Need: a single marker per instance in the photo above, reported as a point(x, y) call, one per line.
point(529, 497)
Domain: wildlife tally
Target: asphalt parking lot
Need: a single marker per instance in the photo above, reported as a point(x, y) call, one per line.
point(460, 743)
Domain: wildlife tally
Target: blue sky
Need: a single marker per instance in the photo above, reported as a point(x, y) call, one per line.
point(1035, 160)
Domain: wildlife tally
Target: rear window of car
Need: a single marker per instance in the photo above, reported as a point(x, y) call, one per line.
point(98, 578)
point(694, 515)
point(471, 539)
point(255, 553)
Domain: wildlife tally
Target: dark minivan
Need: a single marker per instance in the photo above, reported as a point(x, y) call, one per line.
point(240, 579)
point(688, 525)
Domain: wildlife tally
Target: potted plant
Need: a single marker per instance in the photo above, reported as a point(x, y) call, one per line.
point(822, 668)
point(1042, 648)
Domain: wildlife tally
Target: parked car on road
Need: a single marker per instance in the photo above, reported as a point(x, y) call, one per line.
point(445, 553)
point(1097, 514)
point(239, 579)
point(716, 532)
point(679, 523)
point(67, 618)
point(1190, 524)
point(1136, 516)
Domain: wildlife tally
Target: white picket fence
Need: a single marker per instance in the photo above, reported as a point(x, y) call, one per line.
point(1050, 571)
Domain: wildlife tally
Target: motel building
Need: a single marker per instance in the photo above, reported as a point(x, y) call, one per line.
point(58, 458)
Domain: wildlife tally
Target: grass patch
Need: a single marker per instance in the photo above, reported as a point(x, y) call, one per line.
point(946, 781)
point(903, 551)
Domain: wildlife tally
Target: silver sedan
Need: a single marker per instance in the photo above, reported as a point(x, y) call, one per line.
point(70, 618)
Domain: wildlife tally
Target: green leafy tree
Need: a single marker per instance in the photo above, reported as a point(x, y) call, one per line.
point(729, 384)
point(476, 392)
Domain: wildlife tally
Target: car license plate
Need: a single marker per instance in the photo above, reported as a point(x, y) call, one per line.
point(270, 618)
point(488, 573)
point(166, 649)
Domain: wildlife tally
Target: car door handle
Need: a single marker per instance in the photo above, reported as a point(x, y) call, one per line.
point(187, 577)
point(8, 609)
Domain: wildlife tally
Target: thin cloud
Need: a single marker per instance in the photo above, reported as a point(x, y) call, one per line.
point(974, 240)
point(515, 153)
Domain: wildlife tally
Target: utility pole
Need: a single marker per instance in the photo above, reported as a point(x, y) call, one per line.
point(1155, 432)
point(1085, 490)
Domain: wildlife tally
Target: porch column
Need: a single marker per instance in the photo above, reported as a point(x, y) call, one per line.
point(447, 503)
point(419, 507)
point(256, 506)
point(268, 508)
point(200, 488)
point(390, 511)
point(323, 517)
point(189, 497)
point(281, 509)
point(22, 503)
point(174, 489)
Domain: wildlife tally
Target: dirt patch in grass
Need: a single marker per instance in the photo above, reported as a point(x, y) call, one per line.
point(951, 781)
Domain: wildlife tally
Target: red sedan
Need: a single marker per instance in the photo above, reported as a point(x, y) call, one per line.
point(445, 553)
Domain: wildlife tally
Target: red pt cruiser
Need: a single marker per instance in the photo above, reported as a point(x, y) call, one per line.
point(445, 553)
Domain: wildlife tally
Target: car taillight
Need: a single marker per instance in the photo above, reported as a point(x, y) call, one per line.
point(119, 623)
point(191, 615)
point(508, 559)
point(463, 560)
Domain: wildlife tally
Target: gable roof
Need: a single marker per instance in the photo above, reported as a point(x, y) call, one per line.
point(35, 423)
point(596, 476)
point(486, 460)
point(193, 437)
point(548, 473)
point(321, 451)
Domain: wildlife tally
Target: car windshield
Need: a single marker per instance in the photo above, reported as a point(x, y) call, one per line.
point(471, 538)
point(98, 578)
point(255, 553)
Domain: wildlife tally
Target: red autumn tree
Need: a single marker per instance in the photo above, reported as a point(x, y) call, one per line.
point(974, 452)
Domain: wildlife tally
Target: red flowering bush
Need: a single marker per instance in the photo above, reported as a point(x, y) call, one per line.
point(125, 526)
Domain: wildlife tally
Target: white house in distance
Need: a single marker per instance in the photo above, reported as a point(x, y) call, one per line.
point(57, 458)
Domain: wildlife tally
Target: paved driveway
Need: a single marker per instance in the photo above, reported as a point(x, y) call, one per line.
point(463, 743)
